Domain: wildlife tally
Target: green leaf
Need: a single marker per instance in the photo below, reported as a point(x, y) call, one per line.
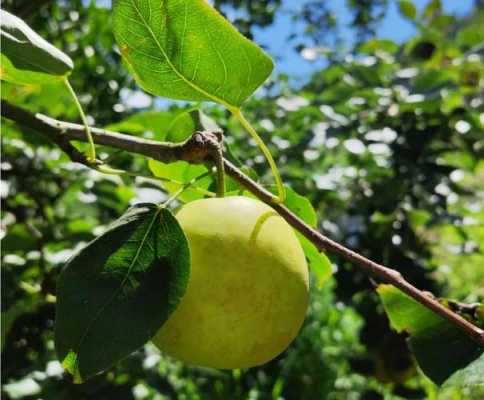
point(374, 45)
point(434, 7)
point(184, 49)
point(407, 9)
point(26, 57)
point(318, 262)
point(470, 36)
point(172, 126)
point(451, 101)
point(116, 292)
point(300, 206)
point(182, 172)
point(440, 348)
point(470, 376)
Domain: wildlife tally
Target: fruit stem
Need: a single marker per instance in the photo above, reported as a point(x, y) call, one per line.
point(91, 154)
point(219, 166)
point(281, 193)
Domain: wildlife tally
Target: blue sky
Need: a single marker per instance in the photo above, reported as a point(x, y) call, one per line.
point(393, 27)
point(274, 38)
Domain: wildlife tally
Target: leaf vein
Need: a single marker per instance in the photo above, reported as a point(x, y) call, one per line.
point(165, 55)
point(126, 277)
point(207, 31)
point(183, 34)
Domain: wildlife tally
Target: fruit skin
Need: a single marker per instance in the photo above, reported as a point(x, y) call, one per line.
point(248, 289)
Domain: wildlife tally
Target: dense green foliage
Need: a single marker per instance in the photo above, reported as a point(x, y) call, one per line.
point(386, 143)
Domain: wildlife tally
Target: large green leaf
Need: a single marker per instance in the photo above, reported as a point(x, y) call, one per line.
point(115, 293)
point(26, 57)
point(440, 347)
point(184, 49)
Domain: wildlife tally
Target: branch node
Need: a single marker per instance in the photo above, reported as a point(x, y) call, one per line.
point(200, 146)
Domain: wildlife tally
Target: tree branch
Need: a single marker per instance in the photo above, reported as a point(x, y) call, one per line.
point(195, 149)
point(198, 148)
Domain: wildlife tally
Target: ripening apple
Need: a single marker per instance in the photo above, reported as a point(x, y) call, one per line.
point(248, 289)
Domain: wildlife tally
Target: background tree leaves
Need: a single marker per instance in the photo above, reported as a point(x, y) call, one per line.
point(116, 292)
point(412, 199)
point(186, 50)
point(28, 58)
point(408, 9)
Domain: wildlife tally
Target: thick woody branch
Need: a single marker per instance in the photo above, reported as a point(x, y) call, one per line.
point(198, 148)
point(195, 149)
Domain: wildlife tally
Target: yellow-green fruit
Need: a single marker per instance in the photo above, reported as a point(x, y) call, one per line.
point(248, 289)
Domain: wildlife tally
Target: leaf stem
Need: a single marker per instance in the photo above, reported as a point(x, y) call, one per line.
point(105, 169)
point(91, 155)
point(183, 188)
point(175, 182)
point(281, 197)
point(219, 166)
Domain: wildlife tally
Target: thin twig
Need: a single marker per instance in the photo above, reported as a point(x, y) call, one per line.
point(197, 149)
